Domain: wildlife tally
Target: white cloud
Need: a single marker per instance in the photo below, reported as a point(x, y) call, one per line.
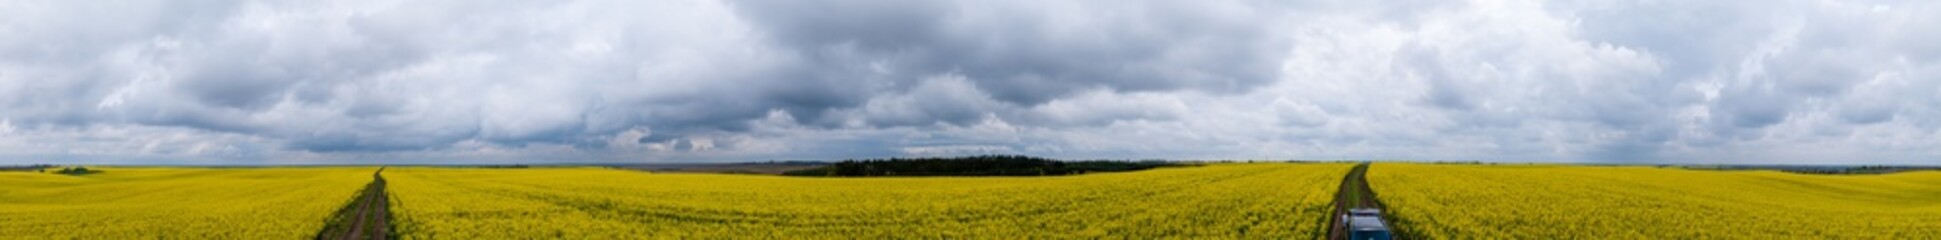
point(628, 140)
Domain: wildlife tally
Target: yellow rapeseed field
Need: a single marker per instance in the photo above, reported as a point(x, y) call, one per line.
point(175, 203)
point(1263, 201)
point(1562, 202)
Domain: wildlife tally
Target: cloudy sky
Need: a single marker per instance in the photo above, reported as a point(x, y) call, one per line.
point(466, 81)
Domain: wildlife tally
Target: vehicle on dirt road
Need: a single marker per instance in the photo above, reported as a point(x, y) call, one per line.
point(1366, 224)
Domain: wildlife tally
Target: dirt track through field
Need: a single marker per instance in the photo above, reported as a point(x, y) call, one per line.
point(1354, 193)
point(366, 218)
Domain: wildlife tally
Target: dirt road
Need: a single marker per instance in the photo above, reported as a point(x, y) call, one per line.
point(368, 217)
point(1354, 193)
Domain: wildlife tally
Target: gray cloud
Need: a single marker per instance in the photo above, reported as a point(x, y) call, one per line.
point(1031, 52)
point(706, 80)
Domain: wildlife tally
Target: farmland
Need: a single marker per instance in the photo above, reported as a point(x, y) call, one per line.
point(1559, 201)
point(1269, 200)
point(1277, 201)
point(130, 203)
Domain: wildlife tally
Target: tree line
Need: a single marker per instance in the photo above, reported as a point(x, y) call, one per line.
point(984, 165)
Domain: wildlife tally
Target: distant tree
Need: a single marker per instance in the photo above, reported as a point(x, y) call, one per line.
point(75, 171)
point(986, 165)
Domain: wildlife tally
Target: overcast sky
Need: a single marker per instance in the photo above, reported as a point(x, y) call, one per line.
point(467, 81)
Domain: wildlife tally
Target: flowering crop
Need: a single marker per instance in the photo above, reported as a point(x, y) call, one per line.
point(193, 203)
point(1556, 202)
point(1269, 201)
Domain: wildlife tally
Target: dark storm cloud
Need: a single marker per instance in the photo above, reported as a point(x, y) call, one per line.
point(1031, 52)
point(374, 81)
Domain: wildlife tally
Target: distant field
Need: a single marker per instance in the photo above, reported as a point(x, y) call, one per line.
point(1480, 201)
point(1266, 201)
point(191, 203)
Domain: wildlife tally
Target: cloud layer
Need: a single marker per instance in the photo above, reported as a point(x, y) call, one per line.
point(271, 82)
